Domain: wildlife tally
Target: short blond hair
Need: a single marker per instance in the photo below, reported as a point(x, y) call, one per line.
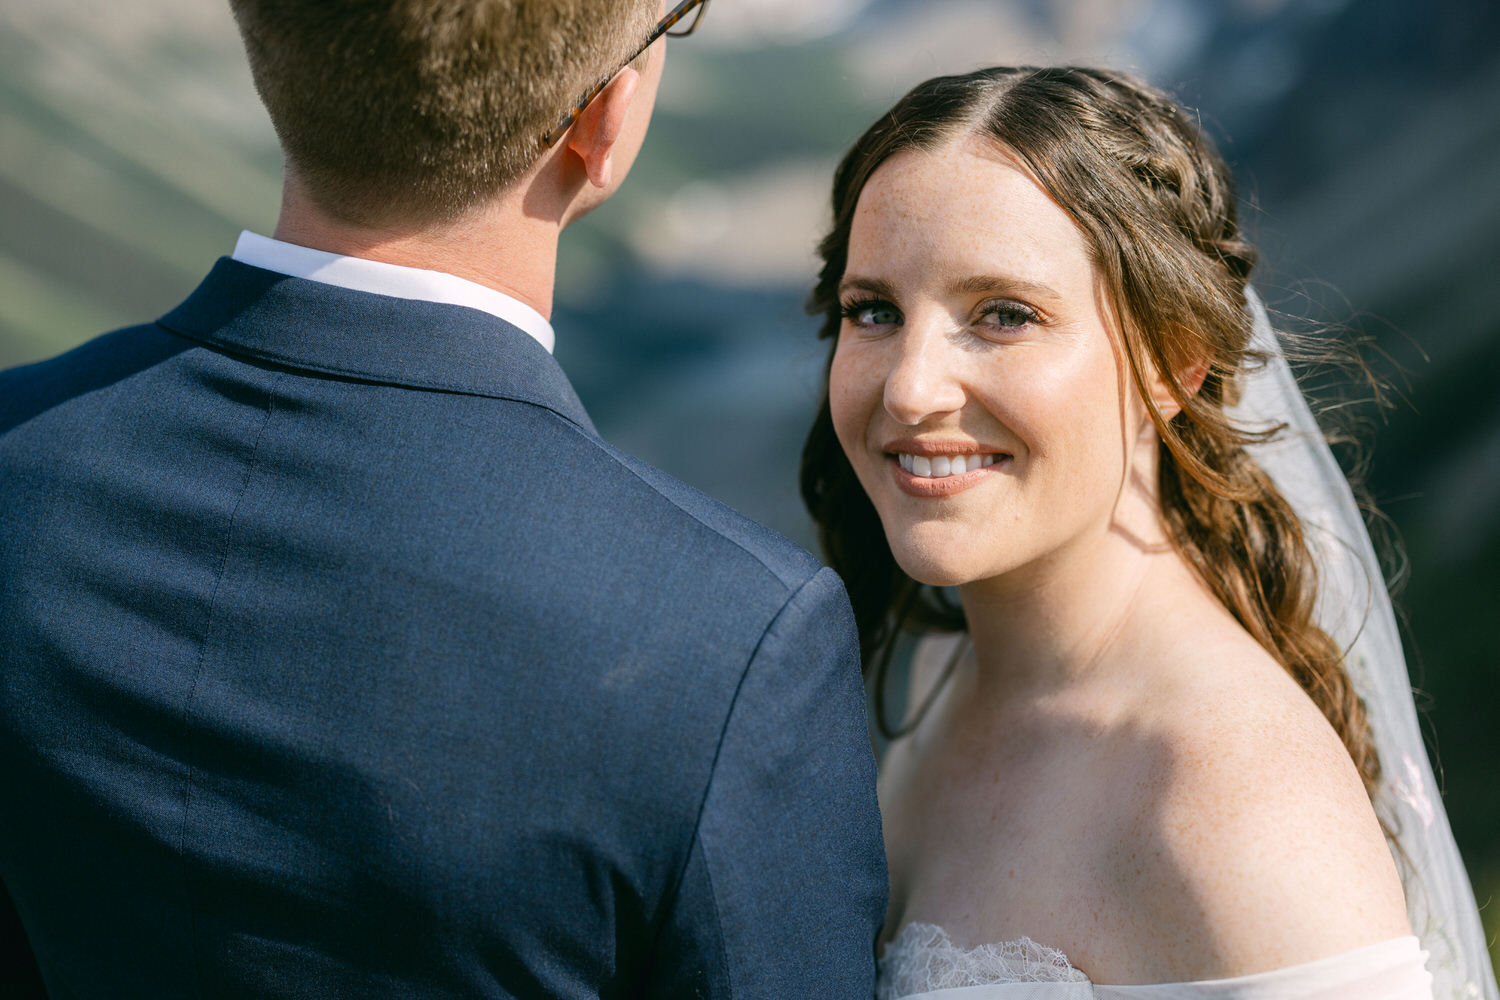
point(398, 111)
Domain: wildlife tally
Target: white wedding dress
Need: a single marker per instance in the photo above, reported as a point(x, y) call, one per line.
point(1448, 958)
point(923, 964)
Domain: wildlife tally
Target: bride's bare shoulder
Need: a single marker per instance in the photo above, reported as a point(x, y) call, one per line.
point(1256, 846)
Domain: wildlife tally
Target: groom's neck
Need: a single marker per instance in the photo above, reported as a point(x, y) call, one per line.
point(504, 244)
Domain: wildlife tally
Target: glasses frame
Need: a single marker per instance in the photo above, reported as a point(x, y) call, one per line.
point(664, 27)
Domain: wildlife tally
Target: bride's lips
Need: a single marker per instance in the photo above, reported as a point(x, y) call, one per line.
point(946, 486)
point(936, 487)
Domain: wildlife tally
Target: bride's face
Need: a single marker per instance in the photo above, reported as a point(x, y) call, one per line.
point(977, 385)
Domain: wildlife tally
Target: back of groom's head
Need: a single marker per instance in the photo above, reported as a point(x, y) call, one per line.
point(397, 111)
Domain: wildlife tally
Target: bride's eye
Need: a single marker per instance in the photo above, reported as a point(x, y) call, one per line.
point(870, 312)
point(1007, 314)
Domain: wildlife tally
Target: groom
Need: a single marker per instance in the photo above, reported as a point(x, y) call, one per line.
point(339, 657)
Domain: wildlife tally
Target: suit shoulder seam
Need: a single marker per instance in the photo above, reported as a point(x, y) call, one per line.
point(713, 769)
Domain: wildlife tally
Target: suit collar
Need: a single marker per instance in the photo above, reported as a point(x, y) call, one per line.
point(424, 345)
point(383, 278)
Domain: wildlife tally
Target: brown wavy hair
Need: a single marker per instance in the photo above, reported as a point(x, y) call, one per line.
point(1157, 208)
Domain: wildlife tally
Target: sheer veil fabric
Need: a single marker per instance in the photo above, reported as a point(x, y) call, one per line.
point(1354, 608)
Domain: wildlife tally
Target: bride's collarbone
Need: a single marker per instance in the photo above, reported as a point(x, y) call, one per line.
point(1017, 838)
point(1028, 761)
point(1213, 836)
point(1213, 828)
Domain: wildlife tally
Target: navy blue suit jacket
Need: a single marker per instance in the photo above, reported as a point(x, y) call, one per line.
point(339, 657)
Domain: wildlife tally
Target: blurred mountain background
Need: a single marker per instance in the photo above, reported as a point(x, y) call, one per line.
point(1365, 134)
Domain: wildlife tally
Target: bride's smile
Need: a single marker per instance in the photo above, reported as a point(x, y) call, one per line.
point(936, 469)
point(976, 385)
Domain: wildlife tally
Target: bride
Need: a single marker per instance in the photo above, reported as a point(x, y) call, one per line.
point(1164, 733)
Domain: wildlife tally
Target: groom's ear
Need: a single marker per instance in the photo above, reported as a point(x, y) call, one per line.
point(599, 126)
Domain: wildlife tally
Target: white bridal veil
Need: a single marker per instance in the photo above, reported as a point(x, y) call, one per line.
point(1354, 609)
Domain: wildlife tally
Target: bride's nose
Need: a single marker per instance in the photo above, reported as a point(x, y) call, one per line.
point(923, 383)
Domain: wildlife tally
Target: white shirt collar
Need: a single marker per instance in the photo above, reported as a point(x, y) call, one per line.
point(400, 282)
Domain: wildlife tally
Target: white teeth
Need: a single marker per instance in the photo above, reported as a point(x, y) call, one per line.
point(942, 466)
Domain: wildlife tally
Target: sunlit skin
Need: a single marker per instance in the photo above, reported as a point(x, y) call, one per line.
point(979, 326)
point(1117, 770)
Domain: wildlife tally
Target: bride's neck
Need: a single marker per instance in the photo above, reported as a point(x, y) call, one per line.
point(1071, 614)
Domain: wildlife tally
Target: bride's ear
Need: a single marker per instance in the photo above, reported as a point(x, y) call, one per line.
point(1189, 378)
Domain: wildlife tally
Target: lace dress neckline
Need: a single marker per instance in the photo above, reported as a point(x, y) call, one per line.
point(922, 957)
point(923, 962)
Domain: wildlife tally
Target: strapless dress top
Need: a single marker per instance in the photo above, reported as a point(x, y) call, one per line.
point(923, 963)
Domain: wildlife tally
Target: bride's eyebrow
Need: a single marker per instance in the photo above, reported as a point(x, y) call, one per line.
point(979, 284)
point(875, 286)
